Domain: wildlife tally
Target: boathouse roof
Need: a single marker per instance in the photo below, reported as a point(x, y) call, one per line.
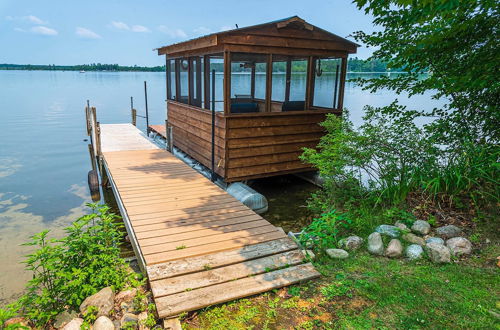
point(288, 36)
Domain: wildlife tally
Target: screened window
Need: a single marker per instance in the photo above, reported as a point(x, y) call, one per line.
point(183, 78)
point(216, 85)
point(248, 82)
point(171, 79)
point(327, 82)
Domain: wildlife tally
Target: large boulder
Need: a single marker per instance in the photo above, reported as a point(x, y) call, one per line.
point(438, 253)
point(16, 322)
point(414, 252)
point(141, 318)
point(64, 318)
point(449, 231)
point(394, 249)
point(375, 244)
point(337, 253)
point(74, 324)
point(102, 300)
point(459, 246)
point(103, 323)
point(414, 239)
point(388, 230)
point(434, 240)
point(421, 227)
point(351, 243)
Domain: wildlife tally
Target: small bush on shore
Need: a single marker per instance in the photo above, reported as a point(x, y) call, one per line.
point(67, 270)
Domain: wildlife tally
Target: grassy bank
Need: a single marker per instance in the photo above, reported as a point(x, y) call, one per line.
point(373, 292)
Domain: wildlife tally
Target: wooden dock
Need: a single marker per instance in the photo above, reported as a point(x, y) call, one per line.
point(198, 245)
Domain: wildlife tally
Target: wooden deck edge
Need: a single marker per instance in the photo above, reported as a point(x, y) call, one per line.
point(128, 225)
point(172, 305)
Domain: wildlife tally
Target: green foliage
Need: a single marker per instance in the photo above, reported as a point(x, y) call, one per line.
point(67, 270)
point(324, 232)
point(393, 214)
point(91, 314)
point(457, 41)
point(140, 302)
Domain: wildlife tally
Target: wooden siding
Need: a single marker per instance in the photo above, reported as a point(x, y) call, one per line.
point(267, 144)
point(192, 133)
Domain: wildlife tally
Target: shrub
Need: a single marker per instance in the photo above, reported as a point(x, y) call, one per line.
point(324, 232)
point(67, 270)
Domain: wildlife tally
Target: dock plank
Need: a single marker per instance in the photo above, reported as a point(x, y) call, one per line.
point(191, 300)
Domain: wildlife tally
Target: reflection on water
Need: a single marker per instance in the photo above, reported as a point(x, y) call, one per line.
point(44, 158)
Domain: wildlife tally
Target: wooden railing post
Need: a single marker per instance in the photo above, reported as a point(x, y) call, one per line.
point(134, 117)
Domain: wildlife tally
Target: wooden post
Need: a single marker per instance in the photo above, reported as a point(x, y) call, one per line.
point(342, 83)
point(252, 81)
point(206, 85)
point(87, 120)
point(269, 81)
point(310, 82)
point(169, 78)
point(227, 83)
point(288, 78)
point(98, 139)
point(167, 137)
point(134, 117)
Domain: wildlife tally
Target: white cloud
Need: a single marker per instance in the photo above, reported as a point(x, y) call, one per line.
point(202, 30)
point(139, 28)
point(30, 19)
point(225, 28)
point(18, 29)
point(44, 31)
point(172, 33)
point(86, 33)
point(120, 25)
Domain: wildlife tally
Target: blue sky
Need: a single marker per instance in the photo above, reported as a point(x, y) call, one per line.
point(126, 31)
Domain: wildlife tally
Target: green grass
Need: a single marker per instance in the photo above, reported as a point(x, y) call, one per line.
point(373, 292)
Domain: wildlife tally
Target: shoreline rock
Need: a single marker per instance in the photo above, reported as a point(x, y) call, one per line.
point(388, 230)
point(459, 246)
point(103, 300)
point(438, 253)
point(337, 253)
point(421, 227)
point(375, 244)
point(394, 248)
point(414, 252)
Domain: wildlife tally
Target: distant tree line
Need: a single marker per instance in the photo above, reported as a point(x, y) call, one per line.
point(353, 65)
point(82, 67)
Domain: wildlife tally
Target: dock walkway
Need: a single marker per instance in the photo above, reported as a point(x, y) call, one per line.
point(197, 244)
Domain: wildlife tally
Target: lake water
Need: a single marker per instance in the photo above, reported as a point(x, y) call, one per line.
point(44, 158)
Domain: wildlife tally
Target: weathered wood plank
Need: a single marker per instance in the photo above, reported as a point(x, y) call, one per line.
point(210, 277)
point(219, 259)
point(211, 248)
point(219, 293)
point(236, 236)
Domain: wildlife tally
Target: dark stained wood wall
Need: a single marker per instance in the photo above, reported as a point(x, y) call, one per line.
point(192, 133)
point(268, 144)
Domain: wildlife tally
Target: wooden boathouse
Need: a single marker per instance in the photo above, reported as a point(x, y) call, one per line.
point(197, 244)
point(232, 103)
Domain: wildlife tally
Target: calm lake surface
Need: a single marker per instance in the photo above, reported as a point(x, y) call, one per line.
point(44, 158)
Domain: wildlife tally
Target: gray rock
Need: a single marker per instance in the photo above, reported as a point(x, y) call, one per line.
point(438, 253)
point(351, 243)
point(103, 323)
point(127, 307)
point(401, 225)
point(414, 252)
point(128, 318)
point(434, 240)
point(459, 246)
point(421, 227)
point(414, 239)
point(394, 249)
point(375, 244)
point(388, 230)
point(337, 253)
point(449, 231)
point(64, 318)
point(74, 324)
point(103, 300)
